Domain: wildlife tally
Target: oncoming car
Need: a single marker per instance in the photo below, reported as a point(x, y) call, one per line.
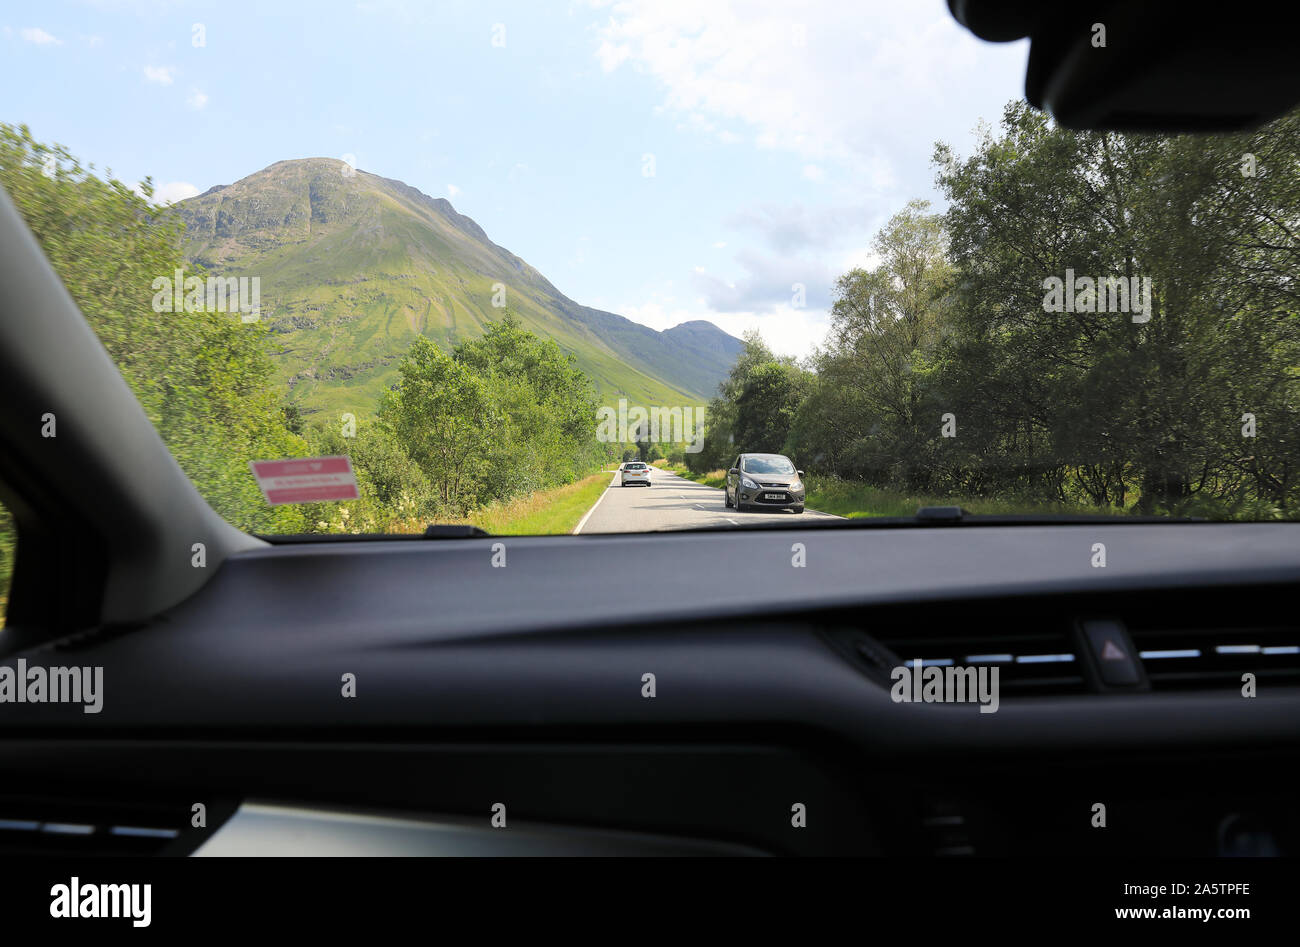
point(764, 480)
point(635, 472)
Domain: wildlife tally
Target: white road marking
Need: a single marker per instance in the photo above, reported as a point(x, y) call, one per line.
point(583, 522)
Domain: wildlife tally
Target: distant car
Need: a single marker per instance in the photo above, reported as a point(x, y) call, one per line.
point(767, 481)
point(635, 472)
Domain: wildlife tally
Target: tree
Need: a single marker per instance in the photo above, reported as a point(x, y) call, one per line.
point(1100, 405)
point(873, 411)
point(441, 413)
point(765, 407)
point(203, 378)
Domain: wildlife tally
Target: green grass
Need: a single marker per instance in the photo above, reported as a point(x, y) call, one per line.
point(853, 499)
point(544, 513)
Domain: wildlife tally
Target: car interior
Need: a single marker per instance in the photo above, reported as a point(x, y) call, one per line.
point(381, 695)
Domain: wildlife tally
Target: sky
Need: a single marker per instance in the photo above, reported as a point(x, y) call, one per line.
point(667, 160)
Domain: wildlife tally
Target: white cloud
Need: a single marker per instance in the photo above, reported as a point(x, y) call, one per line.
point(720, 244)
point(173, 191)
point(859, 258)
point(786, 330)
point(769, 283)
point(794, 227)
point(198, 99)
point(813, 173)
point(823, 79)
point(453, 191)
point(38, 37)
point(160, 74)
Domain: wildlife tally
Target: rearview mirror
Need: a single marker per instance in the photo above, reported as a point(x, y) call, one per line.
point(1156, 66)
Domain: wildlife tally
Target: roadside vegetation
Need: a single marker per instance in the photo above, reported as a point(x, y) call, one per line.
point(486, 430)
point(946, 377)
point(949, 378)
point(852, 498)
point(710, 478)
point(544, 512)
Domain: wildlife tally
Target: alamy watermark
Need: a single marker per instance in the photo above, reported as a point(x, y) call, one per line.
point(132, 902)
point(1102, 294)
point(624, 425)
point(950, 684)
point(181, 293)
point(54, 685)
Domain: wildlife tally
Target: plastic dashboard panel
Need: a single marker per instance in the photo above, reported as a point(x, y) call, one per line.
point(535, 671)
point(438, 638)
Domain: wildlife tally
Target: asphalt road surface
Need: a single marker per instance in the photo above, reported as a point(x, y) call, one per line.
point(674, 503)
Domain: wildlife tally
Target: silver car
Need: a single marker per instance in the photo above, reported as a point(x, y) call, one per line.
point(635, 472)
point(764, 481)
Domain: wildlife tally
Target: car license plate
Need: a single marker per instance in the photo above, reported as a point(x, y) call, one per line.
point(773, 496)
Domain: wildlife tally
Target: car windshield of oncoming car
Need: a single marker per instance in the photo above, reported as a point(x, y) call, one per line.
point(767, 465)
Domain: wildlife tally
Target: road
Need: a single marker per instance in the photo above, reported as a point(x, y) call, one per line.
point(673, 503)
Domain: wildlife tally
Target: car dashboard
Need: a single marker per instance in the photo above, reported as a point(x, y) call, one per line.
point(396, 697)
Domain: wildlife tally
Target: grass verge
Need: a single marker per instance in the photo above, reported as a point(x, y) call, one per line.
point(852, 499)
point(546, 512)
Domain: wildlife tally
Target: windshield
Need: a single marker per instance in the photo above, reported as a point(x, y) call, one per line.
point(417, 264)
point(767, 465)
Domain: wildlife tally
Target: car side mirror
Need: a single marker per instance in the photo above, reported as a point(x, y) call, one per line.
point(798, 473)
point(734, 470)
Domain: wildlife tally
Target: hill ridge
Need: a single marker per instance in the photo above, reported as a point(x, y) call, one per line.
point(354, 265)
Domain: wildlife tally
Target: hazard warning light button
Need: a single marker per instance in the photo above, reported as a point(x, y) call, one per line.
point(1112, 652)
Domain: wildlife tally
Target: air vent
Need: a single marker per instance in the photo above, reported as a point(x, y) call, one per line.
point(1029, 662)
point(1188, 657)
point(53, 826)
point(944, 829)
point(1038, 660)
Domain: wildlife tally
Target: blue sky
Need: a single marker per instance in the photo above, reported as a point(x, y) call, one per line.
point(663, 159)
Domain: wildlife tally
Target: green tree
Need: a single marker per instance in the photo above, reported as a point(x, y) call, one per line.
point(441, 413)
point(873, 411)
point(203, 378)
point(1097, 405)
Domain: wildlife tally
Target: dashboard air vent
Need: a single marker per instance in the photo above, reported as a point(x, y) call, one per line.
point(1187, 657)
point(57, 827)
point(1030, 661)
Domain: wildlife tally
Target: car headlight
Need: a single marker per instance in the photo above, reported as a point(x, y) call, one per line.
point(746, 482)
point(796, 484)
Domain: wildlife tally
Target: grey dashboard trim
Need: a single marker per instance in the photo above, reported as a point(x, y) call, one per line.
point(441, 642)
point(261, 829)
point(447, 590)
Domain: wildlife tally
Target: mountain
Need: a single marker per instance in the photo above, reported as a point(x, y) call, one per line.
point(353, 265)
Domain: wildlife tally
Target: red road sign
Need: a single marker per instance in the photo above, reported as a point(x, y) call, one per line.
point(305, 480)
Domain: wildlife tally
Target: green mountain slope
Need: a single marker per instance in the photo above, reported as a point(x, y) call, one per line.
point(352, 266)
